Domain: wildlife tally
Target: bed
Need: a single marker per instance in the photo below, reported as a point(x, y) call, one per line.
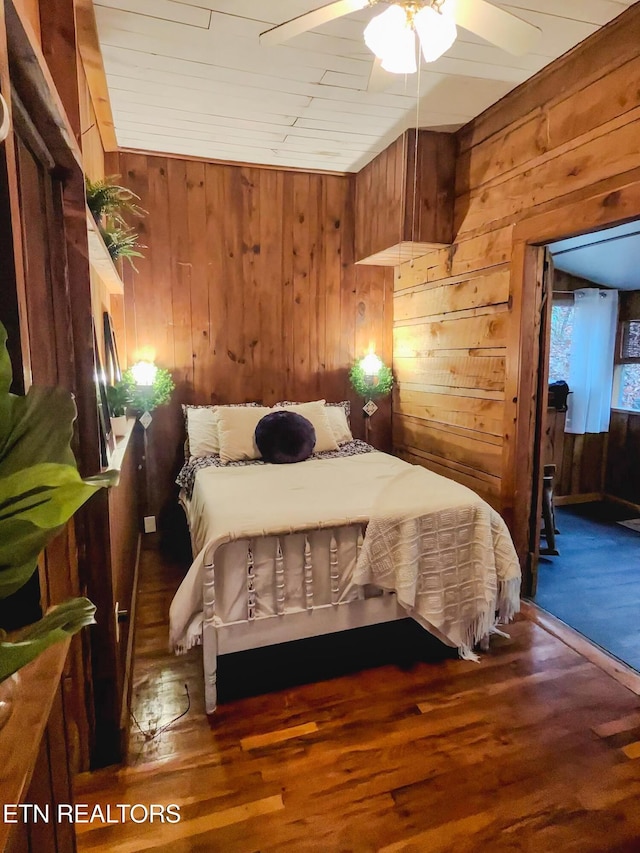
point(347, 538)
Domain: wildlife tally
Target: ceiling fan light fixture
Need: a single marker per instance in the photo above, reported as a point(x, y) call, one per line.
point(391, 37)
point(436, 28)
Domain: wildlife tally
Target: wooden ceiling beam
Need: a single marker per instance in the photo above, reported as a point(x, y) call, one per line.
point(91, 56)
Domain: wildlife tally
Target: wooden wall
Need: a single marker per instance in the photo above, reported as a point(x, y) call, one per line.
point(579, 459)
point(622, 479)
point(248, 291)
point(449, 359)
point(557, 156)
point(30, 9)
point(404, 207)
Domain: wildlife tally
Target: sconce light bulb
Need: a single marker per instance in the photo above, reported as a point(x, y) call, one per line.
point(144, 373)
point(371, 364)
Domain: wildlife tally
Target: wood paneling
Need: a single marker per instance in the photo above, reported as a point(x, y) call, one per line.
point(622, 478)
point(449, 360)
point(30, 11)
point(92, 150)
point(248, 291)
point(96, 80)
point(404, 205)
point(555, 157)
point(579, 459)
point(58, 35)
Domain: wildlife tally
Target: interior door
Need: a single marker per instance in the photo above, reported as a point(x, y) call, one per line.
point(542, 391)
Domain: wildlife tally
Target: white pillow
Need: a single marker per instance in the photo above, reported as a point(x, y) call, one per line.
point(236, 428)
point(202, 430)
point(338, 422)
point(317, 414)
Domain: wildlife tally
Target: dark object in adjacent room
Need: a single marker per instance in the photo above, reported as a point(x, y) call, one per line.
point(558, 393)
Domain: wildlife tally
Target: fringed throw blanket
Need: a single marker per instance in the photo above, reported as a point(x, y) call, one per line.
point(446, 553)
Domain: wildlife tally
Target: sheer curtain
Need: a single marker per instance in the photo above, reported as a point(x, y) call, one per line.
point(591, 362)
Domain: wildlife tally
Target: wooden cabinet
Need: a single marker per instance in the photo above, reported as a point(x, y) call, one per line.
point(404, 205)
point(35, 768)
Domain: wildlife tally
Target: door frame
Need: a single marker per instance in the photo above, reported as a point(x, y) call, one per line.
point(611, 202)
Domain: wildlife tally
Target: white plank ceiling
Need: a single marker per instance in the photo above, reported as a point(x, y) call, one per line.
point(191, 78)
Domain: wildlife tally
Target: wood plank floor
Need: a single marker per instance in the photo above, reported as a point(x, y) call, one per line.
point(534, 749)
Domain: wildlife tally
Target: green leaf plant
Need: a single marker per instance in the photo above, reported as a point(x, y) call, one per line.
point(366, 386)
point(147, 397)
point(40, 489)
point(106, 198)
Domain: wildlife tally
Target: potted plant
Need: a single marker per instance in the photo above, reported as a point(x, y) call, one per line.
point(109, 200)
point(40, 489)
point(147, 386)
point(118, 399)
point(122, 242)
point(108, 203)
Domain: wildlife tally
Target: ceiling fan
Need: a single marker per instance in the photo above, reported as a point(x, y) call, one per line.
point(391, 35)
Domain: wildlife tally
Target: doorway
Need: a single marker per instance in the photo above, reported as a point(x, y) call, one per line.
point(588, 547)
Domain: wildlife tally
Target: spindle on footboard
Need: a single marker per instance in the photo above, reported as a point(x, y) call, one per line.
point(303, 589)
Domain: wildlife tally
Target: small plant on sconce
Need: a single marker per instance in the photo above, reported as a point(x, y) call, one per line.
point(370, 378)
point(147, 386)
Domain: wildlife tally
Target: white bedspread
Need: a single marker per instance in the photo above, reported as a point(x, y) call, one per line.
point(446, 553)
point(478, 565)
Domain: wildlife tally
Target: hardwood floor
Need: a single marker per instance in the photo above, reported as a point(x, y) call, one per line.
point(534, 749)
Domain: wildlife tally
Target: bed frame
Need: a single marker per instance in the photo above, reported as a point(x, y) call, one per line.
point(255, 632)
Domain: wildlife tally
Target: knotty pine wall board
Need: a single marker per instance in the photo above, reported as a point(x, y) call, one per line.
point(622, 475)
point(247, 291)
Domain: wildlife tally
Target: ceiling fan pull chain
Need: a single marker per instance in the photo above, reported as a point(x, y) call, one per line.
point(415, 167)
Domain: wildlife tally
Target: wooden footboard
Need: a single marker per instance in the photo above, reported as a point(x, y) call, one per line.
point(285, 624)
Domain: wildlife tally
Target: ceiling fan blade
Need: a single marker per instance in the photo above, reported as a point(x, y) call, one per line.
point(296, 26)
point(497, 26)
point(379, 79)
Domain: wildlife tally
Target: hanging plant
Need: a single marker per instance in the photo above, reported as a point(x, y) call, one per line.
point(122, 242)
point(369, 386)
point(107, 199)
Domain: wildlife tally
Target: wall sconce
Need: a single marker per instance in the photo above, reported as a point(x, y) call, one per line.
point(148, 386)
point(370, 378)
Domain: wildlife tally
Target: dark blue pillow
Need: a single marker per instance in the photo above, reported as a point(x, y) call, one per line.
point(284, 437)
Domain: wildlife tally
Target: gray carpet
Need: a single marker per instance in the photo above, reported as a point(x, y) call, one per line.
point(594, 585)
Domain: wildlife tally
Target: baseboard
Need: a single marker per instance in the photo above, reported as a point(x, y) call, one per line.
point(622, 502)
point(621, 672)
point(585, 498)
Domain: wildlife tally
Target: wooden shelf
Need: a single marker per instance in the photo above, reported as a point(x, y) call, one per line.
point(100, 259)
point(116, 455)
point(20, 738)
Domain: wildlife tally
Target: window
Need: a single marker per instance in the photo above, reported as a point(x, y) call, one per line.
point(560, 347)
point(627, 395)
point(629, 389)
